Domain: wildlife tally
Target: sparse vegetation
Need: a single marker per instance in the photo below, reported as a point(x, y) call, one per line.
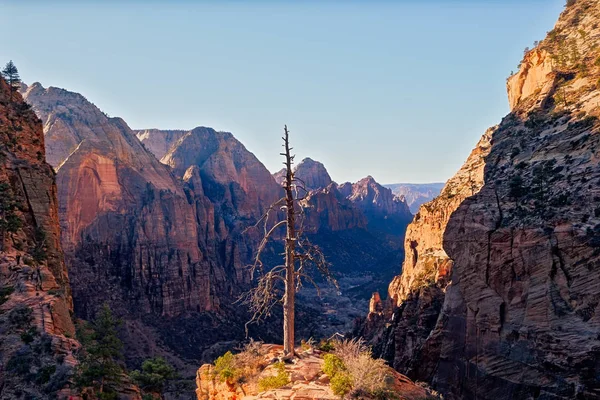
point(38, 251)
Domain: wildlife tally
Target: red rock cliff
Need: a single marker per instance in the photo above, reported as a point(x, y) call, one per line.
point(35, 296)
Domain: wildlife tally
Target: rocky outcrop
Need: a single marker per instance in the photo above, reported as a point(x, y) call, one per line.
point(311, 175)
point(305, 374)
point(532, 77)
point(36, 330)
point(416, 194)
point(327, 209)
point(519, 317)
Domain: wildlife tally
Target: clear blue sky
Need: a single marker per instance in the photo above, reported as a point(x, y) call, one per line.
point(399, 90)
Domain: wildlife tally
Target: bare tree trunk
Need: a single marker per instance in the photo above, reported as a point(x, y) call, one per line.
point(290, 243)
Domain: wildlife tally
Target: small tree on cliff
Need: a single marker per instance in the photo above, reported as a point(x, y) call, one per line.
point(279, 284)
point(100, 368)
point(11, 74)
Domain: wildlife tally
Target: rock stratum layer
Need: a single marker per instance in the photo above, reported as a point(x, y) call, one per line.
point(36, 330)
point(519, 317)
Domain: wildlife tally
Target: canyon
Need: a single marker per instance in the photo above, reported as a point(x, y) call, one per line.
point(161, 223)
point(493, 285)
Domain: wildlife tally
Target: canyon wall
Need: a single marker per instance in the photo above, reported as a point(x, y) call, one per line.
point(508, 304)
point(37, 342)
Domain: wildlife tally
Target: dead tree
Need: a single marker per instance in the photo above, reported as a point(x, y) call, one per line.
point(279, 284)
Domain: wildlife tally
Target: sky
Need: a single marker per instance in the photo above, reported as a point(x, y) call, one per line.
point(400, 90)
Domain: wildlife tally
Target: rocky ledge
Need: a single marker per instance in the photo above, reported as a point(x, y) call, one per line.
point(302, 378)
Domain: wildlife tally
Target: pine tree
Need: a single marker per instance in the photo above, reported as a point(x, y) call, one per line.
point(11, 74)
point(100, 368)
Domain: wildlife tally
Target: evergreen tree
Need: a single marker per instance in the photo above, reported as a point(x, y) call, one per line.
point(154, 374)
point(11, 74)
point(100, 368)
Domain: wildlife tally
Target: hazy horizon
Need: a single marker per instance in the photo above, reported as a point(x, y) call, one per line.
point(400, 91)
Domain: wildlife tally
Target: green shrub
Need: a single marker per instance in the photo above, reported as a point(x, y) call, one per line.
point(225, 367)
point(332, 364)
point(341, 384)
point(274, 382)
point(155, 372)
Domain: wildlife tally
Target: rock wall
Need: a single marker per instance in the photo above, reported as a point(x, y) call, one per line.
point(36, 330)
point(518, 318)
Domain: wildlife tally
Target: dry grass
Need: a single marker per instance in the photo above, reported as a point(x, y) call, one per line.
point(369, 375)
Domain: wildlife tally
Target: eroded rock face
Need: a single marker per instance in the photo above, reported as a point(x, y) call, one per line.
point(236, 180)
point(533, 76)
point(159, 141)
point(328, 209)
point(35, 297)
point(519, 317)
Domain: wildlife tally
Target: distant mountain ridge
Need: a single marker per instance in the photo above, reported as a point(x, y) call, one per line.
point(416, 193)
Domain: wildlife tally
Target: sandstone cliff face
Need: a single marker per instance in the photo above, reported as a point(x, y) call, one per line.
point(519, 318)
point(532, 76)
point(425, 259)
point(415, 297)
point(237, 182)
point(523, 300)
point(159, 141)
point(127, 224)
point(313, 174)
point(36, 349)
point(328, 209)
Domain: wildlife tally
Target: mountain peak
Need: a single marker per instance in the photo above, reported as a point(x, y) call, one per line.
point(313, 174)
